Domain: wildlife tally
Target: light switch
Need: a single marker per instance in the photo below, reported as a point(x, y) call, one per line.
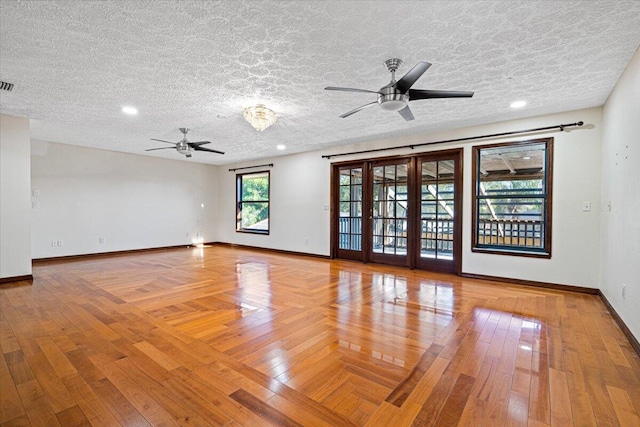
point(586, 206)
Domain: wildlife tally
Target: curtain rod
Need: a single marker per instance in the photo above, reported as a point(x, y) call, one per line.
point(562, 127)
point(251, 167)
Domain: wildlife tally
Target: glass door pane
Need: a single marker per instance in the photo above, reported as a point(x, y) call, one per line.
point(389, 210)
point(350, 209)
point(437, 198)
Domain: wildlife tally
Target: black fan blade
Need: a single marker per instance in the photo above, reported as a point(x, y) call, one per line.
point(430, 94)
point(412, 76)
point(358, 109)
point(198, 148)
point(162, 148)
point(160, 140)
point(200, 142)
point(406, 113)
point(350, 89)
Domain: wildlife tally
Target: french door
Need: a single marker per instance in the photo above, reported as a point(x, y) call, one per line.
point(400, 211)
point(389, 211)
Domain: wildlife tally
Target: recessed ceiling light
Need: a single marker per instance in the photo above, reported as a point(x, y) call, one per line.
point(132, 111)
point(526, 158)
point(281, 147)
point(518, 104)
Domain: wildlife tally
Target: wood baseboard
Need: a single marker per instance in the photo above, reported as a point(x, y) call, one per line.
point(25, 278)
point(108, 254)
point(278, 251)
point(625, 330)
point(554, 286)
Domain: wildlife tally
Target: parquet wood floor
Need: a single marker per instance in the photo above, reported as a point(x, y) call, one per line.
point(221, 336)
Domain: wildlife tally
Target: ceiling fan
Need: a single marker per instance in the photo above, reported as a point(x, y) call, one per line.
point(185, 147)
point(396, 95)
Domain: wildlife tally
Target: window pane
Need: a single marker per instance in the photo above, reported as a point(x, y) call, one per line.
point(255, 187)
point(252, 210)
point(356, 192)
point(255, 216)
point(390, 173)
point(356, 209)
point(345, 177)
point(345, 193)
point(512, 196)
point(356, 176)
point(511, 209)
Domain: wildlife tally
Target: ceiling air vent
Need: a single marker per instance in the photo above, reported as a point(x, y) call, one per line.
point(6, 86)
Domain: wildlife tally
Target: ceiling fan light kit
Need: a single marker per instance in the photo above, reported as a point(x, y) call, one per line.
point(260, 117)
point(396, 95)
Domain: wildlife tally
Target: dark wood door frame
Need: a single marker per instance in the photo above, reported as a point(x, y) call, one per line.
point(457, 155)
point(413, 214)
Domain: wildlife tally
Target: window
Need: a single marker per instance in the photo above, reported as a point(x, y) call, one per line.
point(252, 202)
point(512, 198)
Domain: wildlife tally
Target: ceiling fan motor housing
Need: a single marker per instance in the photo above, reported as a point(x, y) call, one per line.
point(183, 148)
point(390, 99)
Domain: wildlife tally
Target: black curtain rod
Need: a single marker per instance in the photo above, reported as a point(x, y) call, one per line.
point(251, 167)
point(469, 138)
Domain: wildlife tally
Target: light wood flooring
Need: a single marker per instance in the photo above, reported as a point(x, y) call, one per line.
point(224, 336)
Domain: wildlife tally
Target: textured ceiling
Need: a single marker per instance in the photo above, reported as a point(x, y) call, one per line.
point(198, 64)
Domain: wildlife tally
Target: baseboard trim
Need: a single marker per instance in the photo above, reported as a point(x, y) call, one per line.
point(108, 254)
point(25, 278)
point(546, 285)
point(278, 251)
point(623, 326)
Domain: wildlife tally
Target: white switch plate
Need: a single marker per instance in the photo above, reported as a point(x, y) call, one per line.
point(586, 206)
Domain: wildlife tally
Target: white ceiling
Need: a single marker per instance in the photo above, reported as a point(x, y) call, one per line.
point(199, 64)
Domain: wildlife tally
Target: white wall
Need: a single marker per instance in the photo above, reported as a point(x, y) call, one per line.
point(299, 195)
point(15, 205)
point(130, 201)
point(575, 242)
point(300, 191)
point(621, 187)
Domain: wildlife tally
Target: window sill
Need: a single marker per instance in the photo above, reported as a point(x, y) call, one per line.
point(512, 252)
point(244, 230)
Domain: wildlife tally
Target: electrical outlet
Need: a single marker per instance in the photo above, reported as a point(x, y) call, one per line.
point(101, 240)
point(624, 291)
point(54, 243)
point(60, 242)
point(306, 241)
